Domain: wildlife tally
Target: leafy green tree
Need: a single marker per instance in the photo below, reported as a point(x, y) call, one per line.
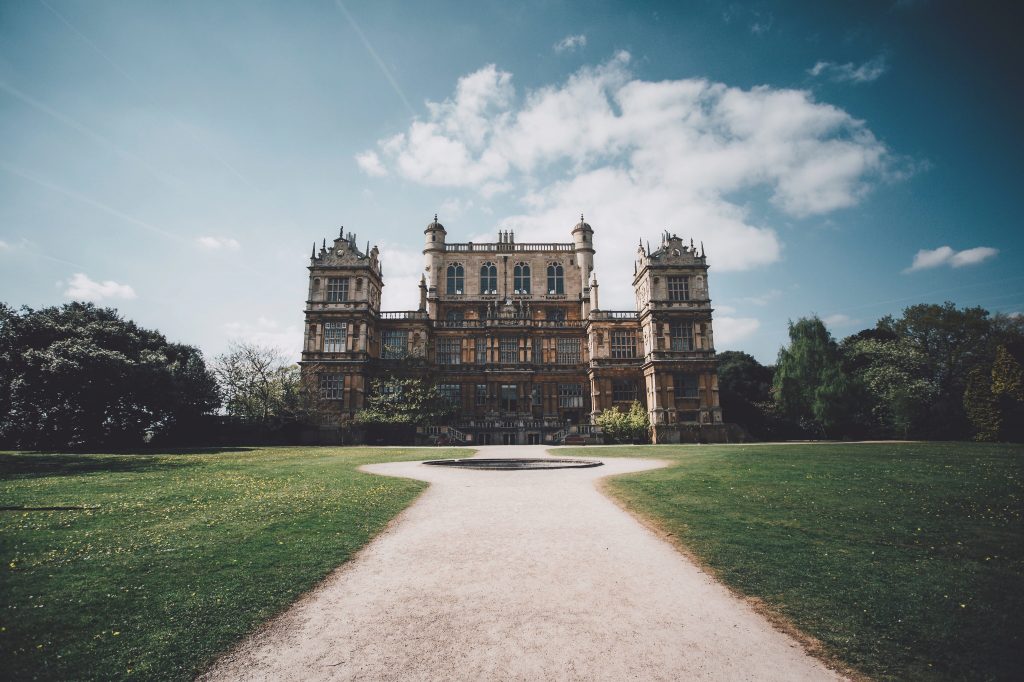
point(413, 401)
point(982, 406)
point(898, 389)
point(810, 384)
point(259, 384)
point(630, 426)
point(745, 390)
point(78, 376)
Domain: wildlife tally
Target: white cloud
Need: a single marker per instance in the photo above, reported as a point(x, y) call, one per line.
point(730, 330)
point(639, 157)
point(453, 208)
point(840, 320)
point(4, 246)
point(81, 288)
point(763, 299)
point(370, 164)
point(945, 255)
point(570, 43)
point(218, 243)
point(268, 332)
point(867, 72)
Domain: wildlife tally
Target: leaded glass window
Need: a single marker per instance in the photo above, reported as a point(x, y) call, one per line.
point(337, 289)
point(570, 395)
point(456, 278)
point(334, 337)
point(332, 386)
point(451, 393)
point(568, 352)
point(395, 344)
point(521, 278)
point(685, 386)
point(623, 391)
point(480, 350)
point(488, 278)
point(679, 288)
point(682, 335)
point(556, 279)
point(508, 349)
point(623, 344)
point(449, 351)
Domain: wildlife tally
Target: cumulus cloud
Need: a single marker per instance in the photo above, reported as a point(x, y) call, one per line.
point(639, 157)
point(4, 246)
point(763, 299)
point(867, 72)
point(370, 164)
point(218, 243)
point(82, 288)
point(571, 43)
point(730, 330)
point(945, 255)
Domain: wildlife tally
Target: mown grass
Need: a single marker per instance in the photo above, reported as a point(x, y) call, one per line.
point(147, 566)
point(906, 561)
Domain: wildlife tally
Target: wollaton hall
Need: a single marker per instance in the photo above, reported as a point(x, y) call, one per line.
point(515, 337)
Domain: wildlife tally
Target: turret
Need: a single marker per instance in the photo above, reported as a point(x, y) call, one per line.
point(433, 249)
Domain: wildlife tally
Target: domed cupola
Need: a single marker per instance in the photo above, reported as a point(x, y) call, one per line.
point(582, 226)
point(435, 226)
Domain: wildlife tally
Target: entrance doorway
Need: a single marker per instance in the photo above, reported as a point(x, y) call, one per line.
point(533, 439)
point(508, 439)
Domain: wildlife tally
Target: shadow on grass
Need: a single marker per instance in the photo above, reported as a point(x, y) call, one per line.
point(39, 464)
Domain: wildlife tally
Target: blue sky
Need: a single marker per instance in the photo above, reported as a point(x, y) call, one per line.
point(177, 160)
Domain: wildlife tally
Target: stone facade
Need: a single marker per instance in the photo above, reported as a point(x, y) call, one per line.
point(516, 338)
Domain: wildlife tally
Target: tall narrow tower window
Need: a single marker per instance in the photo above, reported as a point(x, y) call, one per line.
point(556, 279)
point(521, 279)
point(456, 278)
point(334, 337)
point(488, 278)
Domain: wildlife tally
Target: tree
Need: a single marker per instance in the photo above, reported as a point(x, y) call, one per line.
point(78, 376)
point(414, 401)
point(745, 391)
point(632, 426)
point(810, 384)
point(259, 383)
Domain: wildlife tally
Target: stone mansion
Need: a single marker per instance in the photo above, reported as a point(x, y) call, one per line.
point(516, 338)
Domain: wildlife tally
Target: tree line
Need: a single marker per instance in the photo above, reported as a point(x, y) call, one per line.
point(935, 372)
point(78, 376)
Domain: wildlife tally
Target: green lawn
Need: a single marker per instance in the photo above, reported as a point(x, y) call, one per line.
point(905, 560)
point(147, 566)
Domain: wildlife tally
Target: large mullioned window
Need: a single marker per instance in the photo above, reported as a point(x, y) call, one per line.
point(395, 344)
point(623, 344)
point(521, 278)
point(449, 351)
point(685, 386)
point(623, 391)
point(452, 393)
point(567, 352)
point(508, 350)
point(570, 395)
point(332, 386)
point(334, 337)
point(556, 279)
point(488, 278)
point(456, 278)
point(682, 335)
point(337, 289)
point(679, 288)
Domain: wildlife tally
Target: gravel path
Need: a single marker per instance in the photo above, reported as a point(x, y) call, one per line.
point(525, 575)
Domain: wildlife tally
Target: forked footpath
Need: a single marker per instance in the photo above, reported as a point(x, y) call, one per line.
point(518, 575)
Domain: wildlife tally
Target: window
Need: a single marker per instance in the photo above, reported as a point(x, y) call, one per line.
point(394, 344)
point(488, 278)
point(568, 352)
point(449, 352)
point(337, 289)
point(509, 350)
point(682, 335)
point(332, 386)
point(623, 344)
point(480, 395)
point(556, 280)
point(334, 336)
point(679, 288)
point(521, 279)
point(556, 315)
point(480, 350)
point(454, 316)
point(538, 350)
point(456, 278)
point(451, 393)
point(570, 395)
point(509, 398)
point(623, 391)
point(685, 386)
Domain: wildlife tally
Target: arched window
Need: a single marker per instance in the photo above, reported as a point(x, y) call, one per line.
point(488, 278)
point(521, 280)
point(556, 279)
point(456, 278)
